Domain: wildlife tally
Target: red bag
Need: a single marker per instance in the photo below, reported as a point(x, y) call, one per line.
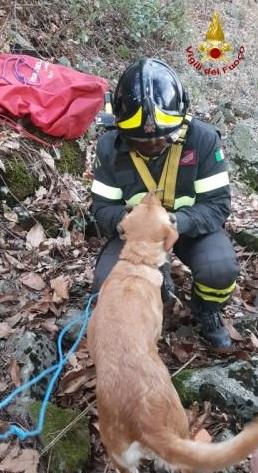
point(60, 101)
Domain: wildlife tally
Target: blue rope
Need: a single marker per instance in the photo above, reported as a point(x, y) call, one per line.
point(55, 369)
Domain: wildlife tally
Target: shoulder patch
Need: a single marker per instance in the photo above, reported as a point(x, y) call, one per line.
point(219, 155)
point(188, 158)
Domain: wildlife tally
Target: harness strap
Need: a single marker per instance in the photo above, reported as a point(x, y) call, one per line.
point(166, 188)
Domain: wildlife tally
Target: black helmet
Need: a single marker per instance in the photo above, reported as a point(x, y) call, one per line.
point(149, 100)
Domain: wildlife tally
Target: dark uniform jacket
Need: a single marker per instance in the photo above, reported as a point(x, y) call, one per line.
point(202, 198)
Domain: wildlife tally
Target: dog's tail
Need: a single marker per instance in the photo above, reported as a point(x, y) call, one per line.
point(186, 453)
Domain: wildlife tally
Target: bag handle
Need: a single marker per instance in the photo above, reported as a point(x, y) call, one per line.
point(20, 77)
point(17, 72)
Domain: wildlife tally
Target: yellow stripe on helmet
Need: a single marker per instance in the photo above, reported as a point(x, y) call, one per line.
point(132, 122)
point(165, 119)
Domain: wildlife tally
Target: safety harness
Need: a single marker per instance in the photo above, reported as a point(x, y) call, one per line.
point(166, 187)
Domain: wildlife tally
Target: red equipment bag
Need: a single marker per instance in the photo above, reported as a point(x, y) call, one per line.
point(58, 100)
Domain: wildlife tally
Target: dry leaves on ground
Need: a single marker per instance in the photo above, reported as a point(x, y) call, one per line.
point(16, 460)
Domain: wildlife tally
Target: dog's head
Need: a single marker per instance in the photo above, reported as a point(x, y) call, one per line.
point(149, 222)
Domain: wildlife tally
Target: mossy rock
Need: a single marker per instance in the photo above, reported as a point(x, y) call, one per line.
point(72, 451)
point(248, 238)
point(181, 384)
point(19, 179)
point(72, 159)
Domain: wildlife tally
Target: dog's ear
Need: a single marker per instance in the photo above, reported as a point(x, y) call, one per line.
point(170, 237)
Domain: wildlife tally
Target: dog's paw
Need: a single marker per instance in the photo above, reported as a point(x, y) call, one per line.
point(160, 466)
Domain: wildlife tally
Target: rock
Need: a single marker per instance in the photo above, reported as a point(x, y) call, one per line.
point(194, 84)
point(33, 353)
point(229, 116)
point(233, 388)
point(218, 121)
point(47, 218)
point(248, 238)
point(242, 146)
point(65, 61)
point(21, 44)
point(71, 452)
point(243, 110)
point(68, 317)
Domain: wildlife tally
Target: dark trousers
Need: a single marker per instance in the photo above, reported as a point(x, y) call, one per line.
point(211, 258)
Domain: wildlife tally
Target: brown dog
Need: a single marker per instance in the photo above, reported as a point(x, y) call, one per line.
point(140, 413)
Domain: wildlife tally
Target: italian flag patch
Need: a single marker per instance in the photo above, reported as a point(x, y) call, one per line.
point(219, 155)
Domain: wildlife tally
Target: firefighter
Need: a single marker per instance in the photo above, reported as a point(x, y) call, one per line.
point(157, 146)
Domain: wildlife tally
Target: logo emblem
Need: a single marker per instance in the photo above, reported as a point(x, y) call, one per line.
point(215, 50)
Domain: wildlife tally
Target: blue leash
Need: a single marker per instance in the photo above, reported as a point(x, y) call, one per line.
point(55, 369)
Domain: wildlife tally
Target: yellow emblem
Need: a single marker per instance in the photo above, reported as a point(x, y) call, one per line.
point(214, 48)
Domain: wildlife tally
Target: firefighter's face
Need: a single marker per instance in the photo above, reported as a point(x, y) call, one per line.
point(151, 147)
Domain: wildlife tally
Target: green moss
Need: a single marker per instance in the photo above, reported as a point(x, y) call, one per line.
point(19, 179)
point(251, 176)
point(72, 160)
point(248, 172)
point(123, 51)
point(182, 385)
point(72, 451)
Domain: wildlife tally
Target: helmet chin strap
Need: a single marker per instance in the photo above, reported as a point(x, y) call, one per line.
point(173, 137)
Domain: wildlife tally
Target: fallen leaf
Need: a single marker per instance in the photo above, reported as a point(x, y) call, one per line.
point(203, 436)
point(3, 386)
point(241, 355)
point(13, 261)
point(91, 384)
point(9, 297)
point(73, 360)
point(254, 202)
point(180, 353)
point(41, 192)
point(5, 330)
point(48, 159)
point(12, 144)
point(27, 461)
point(33, 280)
point(73, 381)
point(11, 216)
point(3, 446)
point(12, 321)
point(50, 326)
point(254, 340)
point(34, 308)
point(35, 236)
point(2, 165)
point(234, 334)
point(61, 286)
point(15, 373)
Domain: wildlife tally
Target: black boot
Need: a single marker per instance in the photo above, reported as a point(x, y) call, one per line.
point(168, 287)
point(213, 328)
point(208, 314)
